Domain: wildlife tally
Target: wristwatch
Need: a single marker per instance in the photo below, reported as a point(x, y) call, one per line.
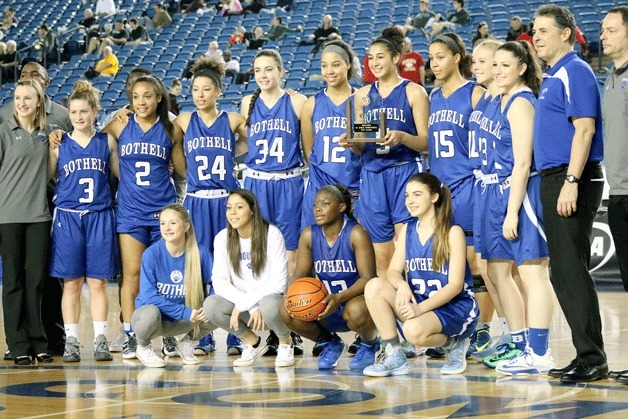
point(572, 179)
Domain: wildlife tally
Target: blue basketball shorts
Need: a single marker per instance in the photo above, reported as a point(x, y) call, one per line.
point(462, 202)
point(147, 235)
point(479, 214)
point(335, 322)
point(208, 215)
point(459, 317)
point(382, 196)
point(280, 201)
point(83, 244)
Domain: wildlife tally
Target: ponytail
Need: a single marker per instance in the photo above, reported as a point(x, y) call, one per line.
point(343, 196)
point(522, 51)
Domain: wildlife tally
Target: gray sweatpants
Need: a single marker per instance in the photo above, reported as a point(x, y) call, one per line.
point(218, 310)
point(147, 324)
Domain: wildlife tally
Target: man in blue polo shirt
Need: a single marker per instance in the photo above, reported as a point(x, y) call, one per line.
point(568, 151)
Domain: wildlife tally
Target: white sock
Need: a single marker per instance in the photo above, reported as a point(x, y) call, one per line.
point(127, 328)
point(505, 327)
point(71, 330)
point(100, 328)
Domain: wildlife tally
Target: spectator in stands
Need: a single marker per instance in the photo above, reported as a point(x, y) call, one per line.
point(232, 66)
point(118, 36)
point(9, 21)
point(285, 5)
point(255, 39)
point(145, 21)
point(253, 6)
point(195, 6)
point(237, 37)
point(482, 33)
point(89, 19)
point(527, 34)
point(3, 50)
point(460, 17)
point(105, 7)
point(109, 65)
point(214, 51)
point(516, 28)
point(161, 18)
point(421, 21)
point(278, 30)
point(8, 62)
point(230, 7)
point(175, 90)
point(139, 34)
point(325, 33)
point(49, 45)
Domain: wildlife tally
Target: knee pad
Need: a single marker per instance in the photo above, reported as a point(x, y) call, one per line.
point(478, 283)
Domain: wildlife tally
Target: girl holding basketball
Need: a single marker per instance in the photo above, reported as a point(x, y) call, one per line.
point(337, 240)
point(274, 157)
point(249, 278)
point(323, 121)
point(386, 166)
point(83, 238)
point(435, 302)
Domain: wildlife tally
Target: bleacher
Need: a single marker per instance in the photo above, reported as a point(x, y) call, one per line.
point(359, 22)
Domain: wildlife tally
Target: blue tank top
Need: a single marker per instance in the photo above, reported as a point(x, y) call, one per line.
point(335, 266)
point(448, 134)
point(424, 281)
point(210, 154)
point(146, 185)
point(274, 137)
point(329, 122)
point(477, 149)
point(504, 157)
point(487, 133)
point(83, 174)
point(376, 158)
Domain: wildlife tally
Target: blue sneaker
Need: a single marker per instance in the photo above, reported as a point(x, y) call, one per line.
point(493, 347)
point(365, 356)
point(455, 357)
point(391, 361)
point(328, 359)
point(206, 345)
point(234, 345)
point(480, 340)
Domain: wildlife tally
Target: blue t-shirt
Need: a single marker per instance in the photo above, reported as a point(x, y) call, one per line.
point(448, 134)
point(396, 107)
point(146, 185)
point(274, 142)
point(161, 281)
point(505, 158)
point(83, 174)
point(424, 281)
point(335, 265)
point(210, 154)
point(338, 163)
point(569, 90)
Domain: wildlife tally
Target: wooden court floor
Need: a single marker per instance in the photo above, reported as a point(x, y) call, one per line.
point(214, 389)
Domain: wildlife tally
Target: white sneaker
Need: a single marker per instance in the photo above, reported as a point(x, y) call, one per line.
point(185, 349)
point(285, 356)
point(527, 363)
point(148, 357)
point(250, 354)
point(117, 343)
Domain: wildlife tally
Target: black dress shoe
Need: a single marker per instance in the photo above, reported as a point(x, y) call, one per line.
point(623, 378)
point(558, 372)
point(44, 358)
point(22, 360)
point(584, 373)
point(615, 374)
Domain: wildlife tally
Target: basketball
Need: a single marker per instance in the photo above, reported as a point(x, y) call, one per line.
point(304, 299)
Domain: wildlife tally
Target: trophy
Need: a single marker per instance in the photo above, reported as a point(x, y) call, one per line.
point(364, 128)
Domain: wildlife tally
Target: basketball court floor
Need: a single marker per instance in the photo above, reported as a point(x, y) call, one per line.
point(125, 389)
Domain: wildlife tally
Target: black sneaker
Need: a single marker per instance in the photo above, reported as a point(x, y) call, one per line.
point(317, 349)
point(353, 348)
point(297, 343)
point(7, 355)
point(273, 343)
point(436, 353)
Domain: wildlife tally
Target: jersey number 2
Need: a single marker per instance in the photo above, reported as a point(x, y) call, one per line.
point(218, 168)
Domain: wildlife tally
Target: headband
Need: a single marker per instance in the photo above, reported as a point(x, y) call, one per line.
point(453, 45)
point(333, 189)
point(338, 50)
point(383, 40)
point(211, 74)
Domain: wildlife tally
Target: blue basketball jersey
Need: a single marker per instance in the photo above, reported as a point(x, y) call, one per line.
point(477, 149)
point(396, 106)
point(423, 280)
point(448, 134)
point(145, 182)
point(210, 154)
point(329, 122)
point(83, 174)
point(487, 133)
point(504, 156)
point(335, 266)
point(274, 137)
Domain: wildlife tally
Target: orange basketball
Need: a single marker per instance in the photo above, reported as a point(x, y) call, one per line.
point(304, 299)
